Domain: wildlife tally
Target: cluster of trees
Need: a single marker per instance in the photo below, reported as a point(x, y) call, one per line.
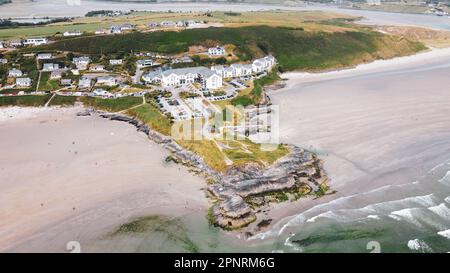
point(7, 23)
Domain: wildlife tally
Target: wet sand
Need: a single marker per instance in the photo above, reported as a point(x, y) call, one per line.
point(66, 178)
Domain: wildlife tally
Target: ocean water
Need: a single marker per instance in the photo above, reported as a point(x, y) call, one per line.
point(411, 217)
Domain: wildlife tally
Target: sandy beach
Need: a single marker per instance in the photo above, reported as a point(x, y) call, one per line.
point(66, 178)
point(383, 123)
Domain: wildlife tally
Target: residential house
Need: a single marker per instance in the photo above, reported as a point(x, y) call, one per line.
point(50, 67)
point(127, 26)
point(102, 93)
point(15, 73)
point(152, 77)
point(240, 70)
point(84, 83)
point(1, 45)
point(224, 71)
point(182, 76)
point(115, 61)
point(56, 74)
point(35, 41)
point(115, 29)
point(167, 23)
point(216, 51)
point(72, 33)
point(44, 56)
point(96, 67)
point(153, 24)
point(81, 62)
point(3, 61)
point(263, 64)
point(102, 31)
point(23, 82)
point(107, 80)
point(180, 23)
point(15, 43)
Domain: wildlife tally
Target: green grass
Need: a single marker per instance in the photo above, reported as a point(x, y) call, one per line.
point(151, 115)
point(63, 100)
point(252, 152)
point(111, 105)
point(242, 100)
point(293, 48)
point(30, 100)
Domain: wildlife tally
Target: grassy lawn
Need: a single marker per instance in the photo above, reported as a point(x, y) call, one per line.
point(111, 105)
point(63, 100)
point(46, 84)
point(30, 100)
point(151, 115)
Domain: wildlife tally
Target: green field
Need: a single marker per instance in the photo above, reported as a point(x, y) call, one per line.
point(30, 100)
point(111, 105)
point(294, 48)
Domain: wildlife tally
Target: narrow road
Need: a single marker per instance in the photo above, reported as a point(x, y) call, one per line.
point(39, 80)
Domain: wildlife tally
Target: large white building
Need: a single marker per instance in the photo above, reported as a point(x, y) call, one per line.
point(50, 67)
point(15, 73)
point(35, 41)
point(72, 33)
point(81, 62)
point(182, 76)
point(216, 51)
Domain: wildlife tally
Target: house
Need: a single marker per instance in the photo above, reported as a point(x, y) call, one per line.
point(35, 41)
point(23, 82)
point(102, 31)
point(225, 72)
point(107, 80)
point(96, 67)
point(101, 93)
point(216, 51)
point(65, 82)
point(3, 61)
point(180, 23)
point(44, 56)
point(182, 76)
point(57, 74)
point(145, 63)
point(72, 33)
point(263, 64)
point(115, 61)
point(50, 67)
point(84, 83)
point(152, 77)
point(125, 27)
point(81, 62)
point(153, 24)
point(15, 73)
point(1, 45)
point(15, 43)
point(167, 23)
point(240, 70)
point(115, 29)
